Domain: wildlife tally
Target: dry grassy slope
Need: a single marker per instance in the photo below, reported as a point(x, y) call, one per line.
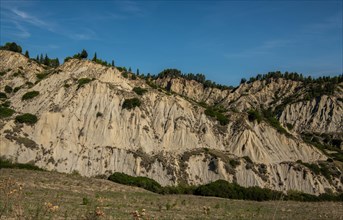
point(78, 197)
point(163, 139)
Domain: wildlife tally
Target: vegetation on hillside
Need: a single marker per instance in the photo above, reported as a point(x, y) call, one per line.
point(26, 118)
point(131, 103)
point(220, 188)
point(30, 95)
point(11, 46)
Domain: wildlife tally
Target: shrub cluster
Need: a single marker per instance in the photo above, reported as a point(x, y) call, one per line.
point(30, 95)
point(8, 89)
point(8, 164)
point(26, 118)
point(131, 103)
point(220, 188)
point(139, 90)
point(218, 114)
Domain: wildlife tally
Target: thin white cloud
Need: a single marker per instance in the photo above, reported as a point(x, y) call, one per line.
point(28, 18)
point(266, 47)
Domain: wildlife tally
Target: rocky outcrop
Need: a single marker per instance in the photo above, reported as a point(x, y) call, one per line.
point(169, 138)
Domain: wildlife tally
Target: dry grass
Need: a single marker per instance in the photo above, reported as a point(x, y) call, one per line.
point(28, 194)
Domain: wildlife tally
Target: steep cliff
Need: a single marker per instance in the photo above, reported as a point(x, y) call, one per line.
point(84, 126)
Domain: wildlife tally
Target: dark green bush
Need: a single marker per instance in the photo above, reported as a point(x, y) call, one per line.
point(3, 95)
point(8, 164)
point(12, 46)
point(2, 73)
point(254, 115)
point(6, 112)
point(26, 118)
point(43, 75)
point(139, 90)
point(125, 75)
point(143, 182)
point(6, 104)
point(81, 82)
point(16, 89)
point(131, 103)
point(30, 95)
point(8, 89)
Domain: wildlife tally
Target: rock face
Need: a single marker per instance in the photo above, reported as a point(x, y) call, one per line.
point(169, 138)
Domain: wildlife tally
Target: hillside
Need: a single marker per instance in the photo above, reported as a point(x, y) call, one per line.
point(270, 132)
point(69, 196)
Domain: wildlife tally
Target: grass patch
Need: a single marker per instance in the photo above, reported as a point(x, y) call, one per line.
point(30, 95)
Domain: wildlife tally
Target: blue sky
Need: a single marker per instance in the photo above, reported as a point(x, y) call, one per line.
point(225, 40)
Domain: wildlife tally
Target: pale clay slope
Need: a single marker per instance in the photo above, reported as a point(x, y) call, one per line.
point(70, 136)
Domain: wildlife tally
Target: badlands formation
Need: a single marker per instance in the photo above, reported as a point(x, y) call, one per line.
point(85, 128)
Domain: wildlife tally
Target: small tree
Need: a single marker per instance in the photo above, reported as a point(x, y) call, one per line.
point(95, 57)
point(83, 54)
point(112, 62)
point(27, 54)
point(137, 72)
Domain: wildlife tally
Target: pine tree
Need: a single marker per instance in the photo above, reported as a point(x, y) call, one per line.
point(112, 62)
point(37, 58)
point(137, 72)
point(130, 70)
point(41, 59)
point(95, 57)
point(27, 54)
point(46, 60)
point(83, 54)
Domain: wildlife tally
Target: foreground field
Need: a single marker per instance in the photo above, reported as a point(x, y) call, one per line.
point(26, 194)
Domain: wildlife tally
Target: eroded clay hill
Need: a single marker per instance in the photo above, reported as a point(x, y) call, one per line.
point(89, 121)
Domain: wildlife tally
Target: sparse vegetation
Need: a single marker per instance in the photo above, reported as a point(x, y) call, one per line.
point(6, 112)
point(83, 81)
point(8, 89)
point(4, 163)
point(12, 47)
point(3, 95)
point(30, 95)
point(217, 113)
point(26, 118)
point(139, 90)
point(131, 103)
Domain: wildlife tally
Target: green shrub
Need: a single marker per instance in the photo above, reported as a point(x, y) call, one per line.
point(6, 112)
point(16, 89)
point(131, 103)
point(217, 113)
point(254, 115)
point(8, 164)
point(30, 95)
point(2, 73)
point(6, 104)
point(3, 95)
point(125, 75)
point(81, 82)
point(143, 182)
point(8, 89)
point(26, 118)
point(43, 75)
point(139, 90)
point(99, 114)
